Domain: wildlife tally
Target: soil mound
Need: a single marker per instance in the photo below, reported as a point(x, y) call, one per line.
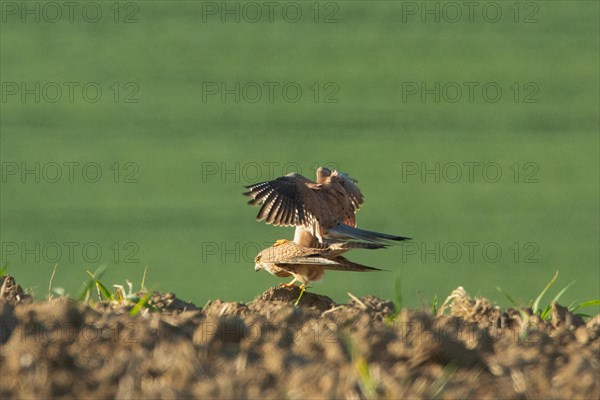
point(268, 348)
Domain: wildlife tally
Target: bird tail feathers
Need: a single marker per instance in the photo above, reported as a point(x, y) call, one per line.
point(343, 231)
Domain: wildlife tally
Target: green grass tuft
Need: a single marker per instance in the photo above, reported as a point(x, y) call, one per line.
point(86, 288)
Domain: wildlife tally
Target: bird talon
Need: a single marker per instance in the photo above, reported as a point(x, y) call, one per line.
point(287, 285)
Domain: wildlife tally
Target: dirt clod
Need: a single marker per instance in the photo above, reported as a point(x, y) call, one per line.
point(11, 292)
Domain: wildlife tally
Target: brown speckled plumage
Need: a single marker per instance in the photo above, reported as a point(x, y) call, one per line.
point(305, 264)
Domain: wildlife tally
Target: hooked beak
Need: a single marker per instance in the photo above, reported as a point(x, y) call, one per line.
point(257, 267)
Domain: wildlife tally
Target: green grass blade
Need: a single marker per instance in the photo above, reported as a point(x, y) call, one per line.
point(508, 297)
point(575, 306)
point(589, 303)
point(536, 303)
point(106, 294)
point(140, 304)
point(434, 307)
point(365, 378)
point(561, 292)
point(103, 293)
point(87, 285)
point(85, 289)
point(546, 313)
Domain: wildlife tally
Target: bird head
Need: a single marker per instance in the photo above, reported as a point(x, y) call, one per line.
point(257, 265)
point(323, 173)
point(267, 257)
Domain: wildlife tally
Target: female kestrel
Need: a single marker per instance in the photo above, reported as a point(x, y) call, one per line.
point(322, 209)
point(306, 264)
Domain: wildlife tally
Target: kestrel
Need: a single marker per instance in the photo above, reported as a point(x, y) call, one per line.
point(306, 264)
point(322, 209)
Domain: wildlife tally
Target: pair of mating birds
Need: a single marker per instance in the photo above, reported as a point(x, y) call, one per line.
point(323, 213)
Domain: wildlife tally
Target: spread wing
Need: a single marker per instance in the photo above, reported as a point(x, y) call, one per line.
point(294, 200)
point(283, 200)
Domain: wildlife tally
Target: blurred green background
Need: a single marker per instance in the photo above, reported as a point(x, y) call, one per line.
point(180, 154)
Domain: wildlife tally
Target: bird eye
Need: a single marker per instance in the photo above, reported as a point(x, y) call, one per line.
point(257, 258)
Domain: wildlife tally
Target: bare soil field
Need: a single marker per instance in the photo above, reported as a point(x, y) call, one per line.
point(268, 348)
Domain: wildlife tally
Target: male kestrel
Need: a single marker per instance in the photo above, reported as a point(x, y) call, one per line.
point(322, 209)
point(305, 264)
